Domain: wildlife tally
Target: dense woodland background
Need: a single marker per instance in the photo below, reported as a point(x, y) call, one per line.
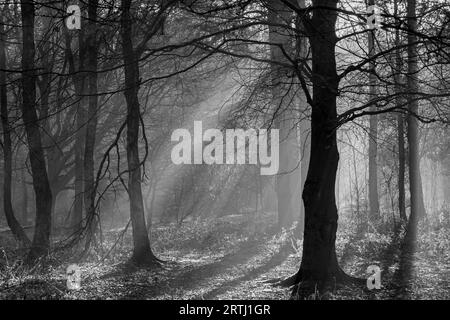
point(87, 177)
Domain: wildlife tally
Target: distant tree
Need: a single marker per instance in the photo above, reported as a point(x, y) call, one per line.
point(415, 180)
point(288, 178)
point(12, 221)
point(374, 204)
point(142, 252)
point(91, 126)
point(400, 125)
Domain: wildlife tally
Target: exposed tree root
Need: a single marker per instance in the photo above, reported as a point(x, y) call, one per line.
point(308, 288)
point(286, 283)
point(145, 261)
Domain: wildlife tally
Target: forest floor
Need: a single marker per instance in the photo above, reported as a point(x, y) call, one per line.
point(230, 258)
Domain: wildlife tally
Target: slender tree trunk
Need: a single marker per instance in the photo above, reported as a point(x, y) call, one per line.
point(374, 204)
point(41, 239)
point(13, 224)
point(400, 126)
point(142, 253)
point(44, 85)
point(149, 210)
point(319, 266)
point(415, 181)
point(78, 79)
point(288, 178)
point(89, 180)
point(77, 216)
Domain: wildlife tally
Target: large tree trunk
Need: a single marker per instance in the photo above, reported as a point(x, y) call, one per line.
point(319, 264)
point(142, 253)
point(41, 239)
point(415, 181)
point(13, 224)
point(373, 133)
point(89, 180)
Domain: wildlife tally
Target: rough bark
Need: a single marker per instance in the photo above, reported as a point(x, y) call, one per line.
point(142, 253)
point(319, 266)
point(415, 181)
point(13, 223)
point(41, 239)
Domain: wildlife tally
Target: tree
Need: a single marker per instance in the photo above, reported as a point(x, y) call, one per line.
point(79, 82)
point(289, 175)
point(319, 266)
point(41, 239)
point(142, 253)
point(91, 66)
point(415, 181)
point(400, 125)
point(373, 131)
point(13, 224)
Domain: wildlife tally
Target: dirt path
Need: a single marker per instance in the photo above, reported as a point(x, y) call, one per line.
point(253, 262)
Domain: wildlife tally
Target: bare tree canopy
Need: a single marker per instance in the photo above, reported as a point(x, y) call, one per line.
point(229, 149)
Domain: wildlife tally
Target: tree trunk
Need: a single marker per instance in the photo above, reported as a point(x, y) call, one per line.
point(79, 86)
point(77, 216)
point(13, 224)
point(319, 264)
point(41, 239)
point(289, 175)
point(415, 181)
point(149, 209)
point(91, 66)
point(401, 167)
point(374, 204)
point(400, 126)
point(142, 253)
